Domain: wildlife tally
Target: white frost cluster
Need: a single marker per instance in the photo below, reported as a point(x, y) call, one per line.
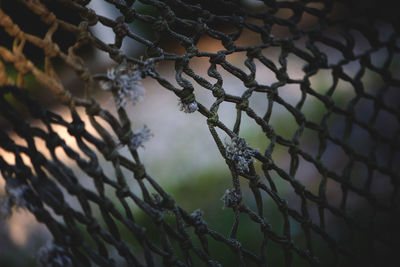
point(125, 80)
point(231, 198)
point(188, 108)
point(14, 197)
point(140, 137)
point(238, 152)
point(53, 255)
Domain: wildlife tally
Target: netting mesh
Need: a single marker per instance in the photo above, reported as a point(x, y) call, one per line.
point(336, 193)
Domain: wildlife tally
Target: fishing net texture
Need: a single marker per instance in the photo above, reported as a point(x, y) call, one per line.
point(318, 81)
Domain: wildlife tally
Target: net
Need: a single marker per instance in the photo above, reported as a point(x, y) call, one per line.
point(327, 172)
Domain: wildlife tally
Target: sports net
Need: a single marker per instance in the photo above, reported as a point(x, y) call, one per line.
point(317, 79)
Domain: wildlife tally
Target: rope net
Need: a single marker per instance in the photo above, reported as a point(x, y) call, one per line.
point(333, 196)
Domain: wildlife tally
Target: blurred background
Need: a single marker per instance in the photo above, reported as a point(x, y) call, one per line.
point(182, 155)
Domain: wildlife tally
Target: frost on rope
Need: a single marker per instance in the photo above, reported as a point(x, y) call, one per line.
point(140, 137)
point(125, 81)
point(52, 255)
point(188, 108)
point(238, 152)
point(14, 198)
point(231, 198)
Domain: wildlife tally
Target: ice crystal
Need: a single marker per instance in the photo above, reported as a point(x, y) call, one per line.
point(238, 152)
point(140, 137)
point(125, 81)
point(188, 108)
point(14, 198)
point(231, 198)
